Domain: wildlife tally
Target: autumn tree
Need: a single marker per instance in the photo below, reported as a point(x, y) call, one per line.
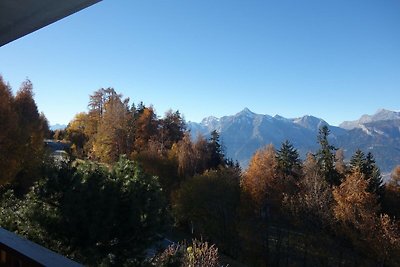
point(201, 154)
point(392, 194)
point(96, 106)
point(9, 162)
point(59, 134)
point(30, 136)
point(76, 133)
point(44, 125)
point(185, 153)
point(111, 138)
point(386, 241)
point(357, 210)
point(340, 165)
point(260, 204)
point(162, 155)
point(354, 205)
point(22, 134)
point(395, 177)
point(146, 126)
point(311, 206)
point(195, 157)
point(259, 180)
point(98, 101)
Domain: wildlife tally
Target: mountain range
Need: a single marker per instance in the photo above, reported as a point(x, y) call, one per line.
point(245, 132)
point(57, 127)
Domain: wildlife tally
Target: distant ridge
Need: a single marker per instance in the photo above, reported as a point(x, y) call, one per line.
point(380, 115)
point(57, 127)
point(245, 132)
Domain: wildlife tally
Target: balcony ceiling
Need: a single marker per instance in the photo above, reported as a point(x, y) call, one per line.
point(21, 17)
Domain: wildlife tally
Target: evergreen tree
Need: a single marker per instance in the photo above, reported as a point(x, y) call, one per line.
point(172, 128)
point(373, 173)
point(326, 157)
point(367, 166)
point(215, 151)
point(288, 161)
point(208, 203)
point(358, 161)
point(95, 215)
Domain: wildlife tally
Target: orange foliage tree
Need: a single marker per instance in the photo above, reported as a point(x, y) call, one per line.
point(8, 134)
point(259, 180)
point(21, 139)
point(357, 211)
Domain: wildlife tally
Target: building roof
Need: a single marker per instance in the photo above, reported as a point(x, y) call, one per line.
point(34, 251)
point(21, 17)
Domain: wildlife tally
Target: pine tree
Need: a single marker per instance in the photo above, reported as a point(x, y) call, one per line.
point(358, 161)
point(208, 204)
point(216, 152)
point(172, 128)
point(373, 173)
point(367, 166)
point(326, 157)
point(288, 161)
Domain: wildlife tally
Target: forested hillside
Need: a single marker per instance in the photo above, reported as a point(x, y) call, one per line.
point(133, 177)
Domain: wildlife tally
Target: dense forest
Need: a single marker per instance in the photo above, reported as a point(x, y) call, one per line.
point(132, 176)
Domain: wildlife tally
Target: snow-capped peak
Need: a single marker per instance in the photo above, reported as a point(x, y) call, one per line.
point(246, 112)
point(380, 115)
point(209, 121)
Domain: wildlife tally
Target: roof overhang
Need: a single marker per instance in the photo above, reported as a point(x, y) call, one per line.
point(21, 17)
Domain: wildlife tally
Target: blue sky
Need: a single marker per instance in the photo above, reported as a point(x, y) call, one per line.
point(332, 59)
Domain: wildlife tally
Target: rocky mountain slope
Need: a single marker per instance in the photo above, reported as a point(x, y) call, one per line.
point(245, 132)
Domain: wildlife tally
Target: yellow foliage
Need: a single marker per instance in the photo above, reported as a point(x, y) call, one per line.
point(354, 204)
point(259, 179)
